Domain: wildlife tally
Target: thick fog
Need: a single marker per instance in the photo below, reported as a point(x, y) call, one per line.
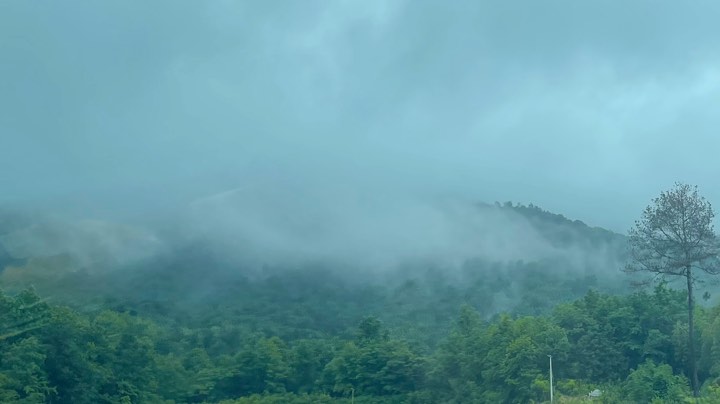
point(351, 129)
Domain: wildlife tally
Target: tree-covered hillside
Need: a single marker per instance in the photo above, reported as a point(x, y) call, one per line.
point(189, 325)
point(559, 261)
point(630, 347)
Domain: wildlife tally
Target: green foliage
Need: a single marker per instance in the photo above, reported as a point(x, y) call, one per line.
point(505, 361)
point(374, 365)
point(291, 398)
point(22, 376)
point(308, 360)
point(573, 388)
point(263, 366)
point(632, 347)
point(650, 382)
point(23, 313)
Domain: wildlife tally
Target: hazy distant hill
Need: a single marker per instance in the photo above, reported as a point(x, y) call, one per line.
point(560, 230)
point(545, 258)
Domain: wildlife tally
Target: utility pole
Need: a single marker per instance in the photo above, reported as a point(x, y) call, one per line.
point(551, 380)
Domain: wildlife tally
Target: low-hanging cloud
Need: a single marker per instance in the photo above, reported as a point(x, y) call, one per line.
point(136, 110)
point(87, 245)
point(289, 226)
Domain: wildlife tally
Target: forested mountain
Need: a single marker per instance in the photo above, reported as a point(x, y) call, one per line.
point(118, 314)
point(549, 259)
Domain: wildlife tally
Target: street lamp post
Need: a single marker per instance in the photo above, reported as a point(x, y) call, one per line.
point(551, 380)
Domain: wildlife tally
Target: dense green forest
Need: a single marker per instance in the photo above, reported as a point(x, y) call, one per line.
point(186, 326)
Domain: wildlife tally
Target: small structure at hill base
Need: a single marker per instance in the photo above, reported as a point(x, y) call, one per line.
point(595, 393)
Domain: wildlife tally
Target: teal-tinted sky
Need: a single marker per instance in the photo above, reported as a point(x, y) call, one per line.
point(585, 108)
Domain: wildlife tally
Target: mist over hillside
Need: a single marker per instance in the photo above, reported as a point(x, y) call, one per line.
point(396, 259)
point(253, 230)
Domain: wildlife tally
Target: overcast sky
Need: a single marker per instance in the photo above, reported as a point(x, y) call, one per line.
point(586, 108)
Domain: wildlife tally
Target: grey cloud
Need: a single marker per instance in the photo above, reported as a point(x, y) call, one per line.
point(86, 244)
point(290, 226)
point(586, 108)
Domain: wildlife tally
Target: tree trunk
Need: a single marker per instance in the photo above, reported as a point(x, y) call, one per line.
point(691, 335)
